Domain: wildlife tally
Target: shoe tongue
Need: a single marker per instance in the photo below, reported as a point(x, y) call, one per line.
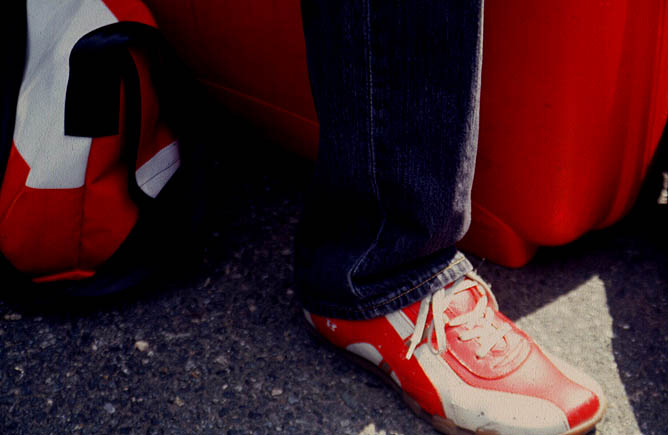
point(464, 301)
point(506, 354)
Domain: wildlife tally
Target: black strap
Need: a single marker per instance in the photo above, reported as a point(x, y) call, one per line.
point(99, 61)
point(13, 39)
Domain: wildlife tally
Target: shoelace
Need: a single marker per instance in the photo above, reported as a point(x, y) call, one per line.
point(478, 322)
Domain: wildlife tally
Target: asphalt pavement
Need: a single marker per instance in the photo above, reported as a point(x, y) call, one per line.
point(221, 348)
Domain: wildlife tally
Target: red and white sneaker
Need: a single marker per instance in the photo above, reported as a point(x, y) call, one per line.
point(466, 368)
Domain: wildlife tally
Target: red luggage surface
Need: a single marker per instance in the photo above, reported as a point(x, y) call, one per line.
point(574, 100)
point(64, 201)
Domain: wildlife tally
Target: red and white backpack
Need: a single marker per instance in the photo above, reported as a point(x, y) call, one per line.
point(87, 132)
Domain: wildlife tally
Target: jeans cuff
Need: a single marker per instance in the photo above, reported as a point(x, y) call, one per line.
point(431, 281)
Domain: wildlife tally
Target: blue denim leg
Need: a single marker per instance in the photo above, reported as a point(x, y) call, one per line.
point(396, 86)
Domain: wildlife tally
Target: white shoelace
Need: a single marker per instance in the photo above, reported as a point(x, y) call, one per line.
point(478, 322)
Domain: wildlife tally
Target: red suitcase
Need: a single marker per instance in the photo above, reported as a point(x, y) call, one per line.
point(574, 100)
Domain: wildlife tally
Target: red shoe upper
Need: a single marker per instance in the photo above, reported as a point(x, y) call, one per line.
point(513, 375)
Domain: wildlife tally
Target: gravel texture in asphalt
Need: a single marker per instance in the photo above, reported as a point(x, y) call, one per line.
point(222, 347)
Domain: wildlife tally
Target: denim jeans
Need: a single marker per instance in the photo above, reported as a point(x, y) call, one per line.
point(396, 86)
